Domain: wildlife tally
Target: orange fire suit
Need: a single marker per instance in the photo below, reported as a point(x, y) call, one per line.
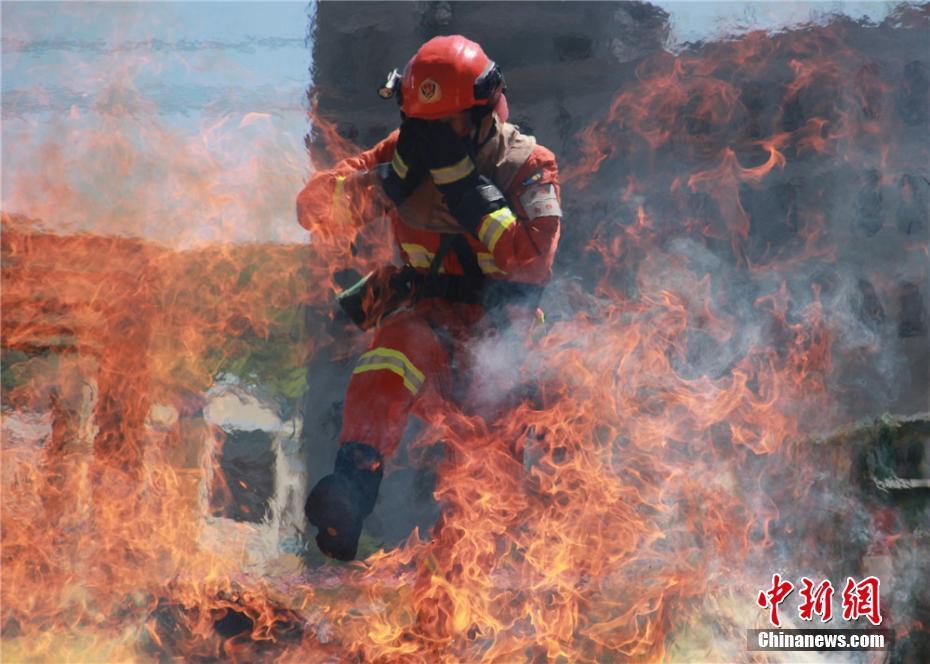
point(409, 364)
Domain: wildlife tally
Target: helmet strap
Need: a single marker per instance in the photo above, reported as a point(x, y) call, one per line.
point(478, 116)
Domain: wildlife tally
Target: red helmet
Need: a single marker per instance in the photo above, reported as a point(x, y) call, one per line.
point(449, 75)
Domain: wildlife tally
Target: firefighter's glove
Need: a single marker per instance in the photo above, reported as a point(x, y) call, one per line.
point(406, 170)
point(450, 165)
point(470, 196)
point(339, 502)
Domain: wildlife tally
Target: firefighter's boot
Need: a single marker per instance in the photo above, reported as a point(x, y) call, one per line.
point(339, 502)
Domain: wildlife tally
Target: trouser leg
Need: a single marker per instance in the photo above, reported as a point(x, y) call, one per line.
point(405, 367)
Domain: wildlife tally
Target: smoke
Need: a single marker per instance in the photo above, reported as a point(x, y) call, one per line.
point(136, 125)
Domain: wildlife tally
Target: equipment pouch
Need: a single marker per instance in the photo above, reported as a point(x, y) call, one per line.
point(375, 296)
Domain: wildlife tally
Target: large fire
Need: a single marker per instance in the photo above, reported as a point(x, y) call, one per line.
point(634, 498)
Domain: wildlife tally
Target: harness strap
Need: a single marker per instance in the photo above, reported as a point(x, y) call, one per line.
point(445, 243)
point(467, 258)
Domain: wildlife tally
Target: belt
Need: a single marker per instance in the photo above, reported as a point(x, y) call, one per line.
point(490, 293)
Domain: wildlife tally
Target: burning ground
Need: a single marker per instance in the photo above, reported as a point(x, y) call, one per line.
point(742, 288)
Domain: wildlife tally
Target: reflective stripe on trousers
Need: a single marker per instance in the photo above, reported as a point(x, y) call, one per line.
point(388, 359)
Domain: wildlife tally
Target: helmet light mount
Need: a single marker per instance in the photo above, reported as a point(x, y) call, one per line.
point(391, 86)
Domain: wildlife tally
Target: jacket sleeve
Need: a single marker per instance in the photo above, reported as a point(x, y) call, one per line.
point(525, 247)
point(345, 193)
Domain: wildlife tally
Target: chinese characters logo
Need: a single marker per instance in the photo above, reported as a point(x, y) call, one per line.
point(860, 600)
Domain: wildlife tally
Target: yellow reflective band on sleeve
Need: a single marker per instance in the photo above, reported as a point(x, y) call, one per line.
point(340, 212)
point(417, 254)
point(454, 173)
point(487, 264)
point(493, 226)
point(388, 359)
point(397, 163)
point(339, 190)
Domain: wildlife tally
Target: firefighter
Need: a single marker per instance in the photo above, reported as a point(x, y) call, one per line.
point(475, 212)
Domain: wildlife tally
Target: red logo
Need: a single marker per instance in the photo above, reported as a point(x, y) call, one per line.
point(776, 595)
point(816, 600)
point(860, 600)
point(430, 91)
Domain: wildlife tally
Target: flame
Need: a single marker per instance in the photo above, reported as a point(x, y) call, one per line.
point(621, 508)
